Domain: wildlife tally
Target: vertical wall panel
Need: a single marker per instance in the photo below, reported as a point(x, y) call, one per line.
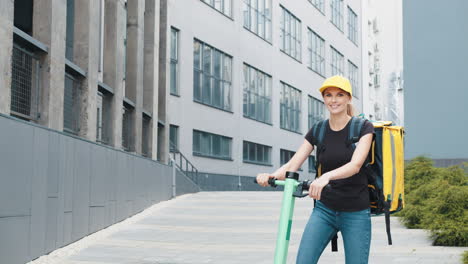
point(17, 168)
point(14, 239)
point(39, 191)
point(81, 191)
point(53, 227)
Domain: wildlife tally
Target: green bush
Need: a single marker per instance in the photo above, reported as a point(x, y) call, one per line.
point(437, 199)
point(465, 257)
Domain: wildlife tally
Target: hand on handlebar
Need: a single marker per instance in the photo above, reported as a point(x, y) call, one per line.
point(316, 187)
point(262, 179)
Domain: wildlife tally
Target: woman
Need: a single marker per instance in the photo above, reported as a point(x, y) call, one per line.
point(345, 206)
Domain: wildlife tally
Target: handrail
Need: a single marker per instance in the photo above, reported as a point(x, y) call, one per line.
point(189, 169)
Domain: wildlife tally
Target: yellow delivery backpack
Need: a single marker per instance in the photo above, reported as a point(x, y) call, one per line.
point(384, 166)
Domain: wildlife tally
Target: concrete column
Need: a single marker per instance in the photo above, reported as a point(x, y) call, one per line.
point(6, 46)
point(135, 66)
point(49, 20)
point(115, 17)
point(163, 133)
point(86, 56)
point(151, 70)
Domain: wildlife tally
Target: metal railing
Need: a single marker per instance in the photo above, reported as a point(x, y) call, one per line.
point(25, 84)
point(183, 163)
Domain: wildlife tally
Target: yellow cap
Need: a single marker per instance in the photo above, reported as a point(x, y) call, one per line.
point(337, 81)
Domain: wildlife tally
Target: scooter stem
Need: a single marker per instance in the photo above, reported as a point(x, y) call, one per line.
point(287, 209)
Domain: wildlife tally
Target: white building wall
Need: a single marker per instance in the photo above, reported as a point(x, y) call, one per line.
point(382, 22)
point(196, 19)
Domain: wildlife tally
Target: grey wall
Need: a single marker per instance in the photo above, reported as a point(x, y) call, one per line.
point(436, 78)
point(56, 189)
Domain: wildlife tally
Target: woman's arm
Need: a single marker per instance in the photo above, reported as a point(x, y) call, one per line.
point(349, 169)
point(292, 165)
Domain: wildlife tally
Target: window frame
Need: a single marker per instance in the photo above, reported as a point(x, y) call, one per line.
point(264, 148)
point(290, 100)
point(223, 140)
point(174, 62)
point(206, 75)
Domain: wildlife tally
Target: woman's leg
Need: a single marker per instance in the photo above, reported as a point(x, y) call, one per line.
point(355, 228)
point(319, 230)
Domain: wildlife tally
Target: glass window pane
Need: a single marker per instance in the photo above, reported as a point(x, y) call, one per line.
point(196, 142)
point(196, 55)
point(206, 89)
point(246, 13)
point(217, 64)
point(217, 93)
point(245, 151)
point(173, 78)
point(196, 85)
point(207, 60)
point(216, 146)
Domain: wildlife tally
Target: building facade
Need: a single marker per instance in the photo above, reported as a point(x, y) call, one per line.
point(244, 77)
point(383, 57)
point(87, 68)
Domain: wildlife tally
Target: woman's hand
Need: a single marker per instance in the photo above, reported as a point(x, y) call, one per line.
point(316, 187)
point(262, 179)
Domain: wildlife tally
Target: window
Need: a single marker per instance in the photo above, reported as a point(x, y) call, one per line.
point(256, 153)
point(71, 108)
point(99, 102)
point(70, 22)
point(212, 76)
point(223, 6)
point(290, 108)
point(127, 128)
point(337, 62)
point(257, 17)
point(103, 126)
point(311, 161)
point(316, 111)
point(257, 95)
point(25, 83)
point(211, 145)
point(174, 61)
point(101, 38)
point(319, 4)
point(352, 26)
point(285, 156)
point(23, 16)
point(316, 48)
point(353, 78)
point(174, 137)
point(145, 136)
point(290, 34)
point(337, 13)
point(103, 118)
point(125, 36)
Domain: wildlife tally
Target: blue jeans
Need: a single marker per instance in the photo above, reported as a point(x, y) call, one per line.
point(324, 223)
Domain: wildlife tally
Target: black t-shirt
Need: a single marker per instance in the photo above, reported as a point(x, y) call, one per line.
point(349, 194)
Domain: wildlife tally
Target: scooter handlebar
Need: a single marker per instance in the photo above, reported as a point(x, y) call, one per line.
point(271, 182)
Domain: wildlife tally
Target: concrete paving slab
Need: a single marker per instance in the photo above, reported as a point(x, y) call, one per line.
point(232, 228)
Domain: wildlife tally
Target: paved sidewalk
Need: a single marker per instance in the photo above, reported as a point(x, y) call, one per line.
point(228, 228)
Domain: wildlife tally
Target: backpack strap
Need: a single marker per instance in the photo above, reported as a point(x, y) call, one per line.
point(355, 131)
point(318, 134)
point(334, 243)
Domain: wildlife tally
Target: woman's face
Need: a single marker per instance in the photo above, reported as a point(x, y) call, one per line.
point(336, 100)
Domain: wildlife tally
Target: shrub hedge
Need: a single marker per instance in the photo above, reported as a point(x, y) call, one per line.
point(437, 199)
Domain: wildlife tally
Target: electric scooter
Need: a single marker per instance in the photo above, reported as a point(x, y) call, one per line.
point(292, 188)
